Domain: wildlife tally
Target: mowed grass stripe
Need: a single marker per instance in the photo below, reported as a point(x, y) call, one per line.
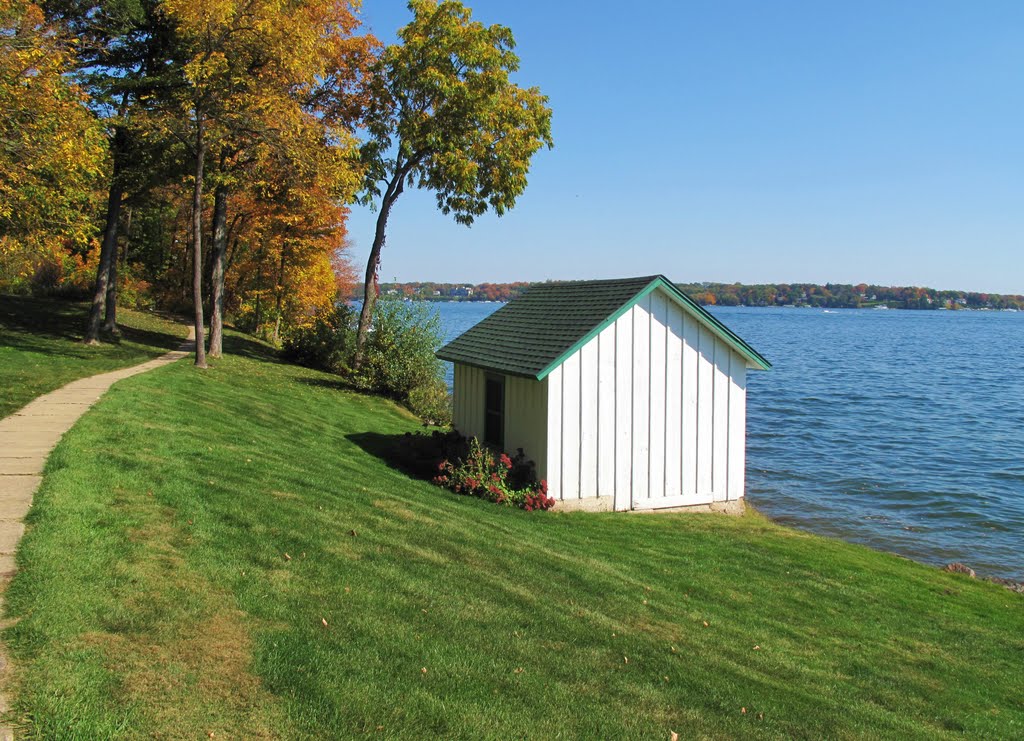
point(155, 597)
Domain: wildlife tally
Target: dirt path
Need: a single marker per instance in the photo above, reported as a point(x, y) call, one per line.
point(26, 439)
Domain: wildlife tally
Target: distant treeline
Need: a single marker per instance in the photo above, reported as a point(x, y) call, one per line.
point(829, 295)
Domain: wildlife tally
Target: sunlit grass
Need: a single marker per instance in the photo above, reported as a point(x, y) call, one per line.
point(223, 552)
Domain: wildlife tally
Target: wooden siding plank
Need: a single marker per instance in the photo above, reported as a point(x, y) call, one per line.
point(673, 402)
point(554, 457)
point(691, 346)
point(457, 392)
point(571, 427)
point(606, 413)
point(641, 397)
point(588, 419)
point(720, 425)
point(656, 421)
point(540, 424)
point(705, 414)
point(623, 411)
point(737, 426)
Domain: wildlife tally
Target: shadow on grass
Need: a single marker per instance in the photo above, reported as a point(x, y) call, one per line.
point(56, 327)
point(414, 454)
point(335, 384)
point(247, 346)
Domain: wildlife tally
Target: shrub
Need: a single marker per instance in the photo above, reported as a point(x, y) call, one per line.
point(399, 353)
point(324, 343)
point(481, 474)
point(399, 359)
point(432, 403)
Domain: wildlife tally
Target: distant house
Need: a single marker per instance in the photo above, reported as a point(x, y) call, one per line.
point(462, 291)
point(625, 393)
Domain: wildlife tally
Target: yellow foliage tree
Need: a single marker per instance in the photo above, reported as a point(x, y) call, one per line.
point(52, 154)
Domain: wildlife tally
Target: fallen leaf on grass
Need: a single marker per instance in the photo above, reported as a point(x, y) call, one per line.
point(324, 621)
point(287, 557)
point(423, 670)
point(757, 648)
point(743, 710)
point(519, 670)
point(707, 624)
point(353, 533)
point(674, 736)
point(625, 659)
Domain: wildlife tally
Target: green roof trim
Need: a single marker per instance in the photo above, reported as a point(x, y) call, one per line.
point(537, 332)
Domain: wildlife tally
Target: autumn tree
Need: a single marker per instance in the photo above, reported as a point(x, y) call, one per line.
point(444, 115)
point(253, 74)
point(123, 54)
point(52, 149)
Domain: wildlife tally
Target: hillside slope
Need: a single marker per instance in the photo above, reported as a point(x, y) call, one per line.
point(226, 552)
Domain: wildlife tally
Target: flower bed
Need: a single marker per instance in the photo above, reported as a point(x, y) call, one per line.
point(499, 479)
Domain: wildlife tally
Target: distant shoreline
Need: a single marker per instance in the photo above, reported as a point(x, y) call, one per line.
point(451, 300)
point(785, 295)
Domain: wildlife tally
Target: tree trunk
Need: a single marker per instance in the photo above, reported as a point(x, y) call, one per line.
point(279, 301)
point(220, 244)
point(127, 236)
point(110, 313)
point(197, 242)
point(372, 266)
point(110, 308)
point(107, 250)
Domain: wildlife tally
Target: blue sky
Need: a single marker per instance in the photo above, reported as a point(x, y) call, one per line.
point(749, 141)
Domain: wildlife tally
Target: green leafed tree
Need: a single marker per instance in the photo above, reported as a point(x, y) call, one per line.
point(444, 115)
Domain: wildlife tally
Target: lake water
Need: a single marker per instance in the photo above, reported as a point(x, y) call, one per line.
point(902, 430)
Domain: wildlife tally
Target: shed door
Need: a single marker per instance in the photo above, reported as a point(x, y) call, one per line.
point(494, 411)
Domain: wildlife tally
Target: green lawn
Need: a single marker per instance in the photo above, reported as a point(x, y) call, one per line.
point(155, 597)
point(41, 348)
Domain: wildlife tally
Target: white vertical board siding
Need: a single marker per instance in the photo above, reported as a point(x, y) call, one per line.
point(690, 348)
point(554, 442)
point(606, 412)
point(720, 423)
point(656, 418)
point(705, 412)
point(650, 412)
point(641, 398)
point(674, 402)
point(737, 427)
point(589, 432)
point(623, 411)
point(571, 427)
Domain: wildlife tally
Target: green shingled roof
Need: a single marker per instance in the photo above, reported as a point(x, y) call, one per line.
point(535, 333)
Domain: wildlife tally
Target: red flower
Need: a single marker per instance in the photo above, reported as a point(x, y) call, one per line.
point(506, 461)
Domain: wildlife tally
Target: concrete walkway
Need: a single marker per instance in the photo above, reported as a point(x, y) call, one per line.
point(26, 439)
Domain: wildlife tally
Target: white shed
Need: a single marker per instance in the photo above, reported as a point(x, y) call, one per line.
point(625, 393)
